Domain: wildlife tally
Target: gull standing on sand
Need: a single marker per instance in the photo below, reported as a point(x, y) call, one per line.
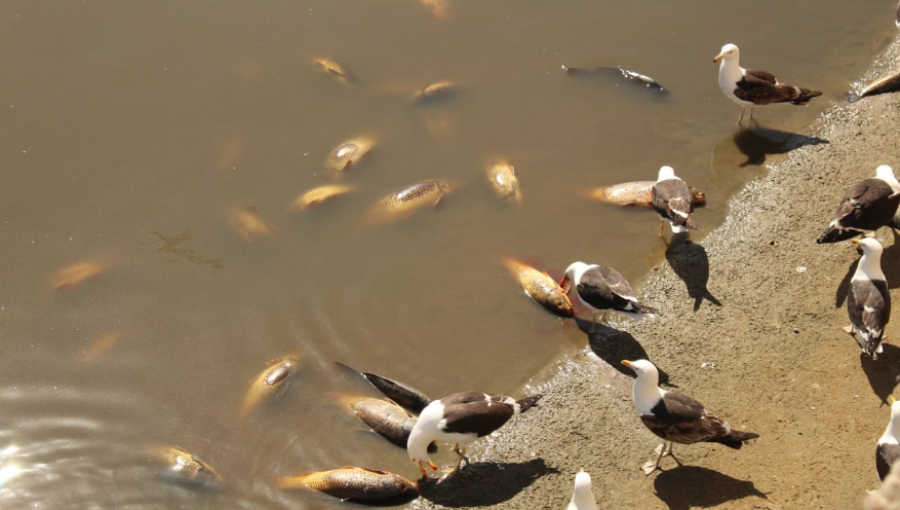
point(582, 496)
point(868, 302)
point(869, 205)
point(752, 88)
point(888, 450)
point(672, 199)
point(601, 289)
point(675, 417)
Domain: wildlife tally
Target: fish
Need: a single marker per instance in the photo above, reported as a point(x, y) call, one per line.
point(271, 383)
point(247, 223)
point(182, 466)
point(354, 483)
point(435, 92)
point(887, 83)
point(348, 154)
point(504, 183)
point(540, 287)
point(407, 201)
point(405, 396)
point(101, 345)
point(333, 68)
point(636, 194)
point(438, 8)
point(317, 196)
point(641, 80)
point(71, 276)
point(387, 419)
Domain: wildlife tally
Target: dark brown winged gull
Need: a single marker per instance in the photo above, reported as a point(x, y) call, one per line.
point(868, 302)
point(869, 205)
point(888, 449)
point(672, 199)
point(461, 418)
point(601, 289)
point(675, 417)
point(750, 88)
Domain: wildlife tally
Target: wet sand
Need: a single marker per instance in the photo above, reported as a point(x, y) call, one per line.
point(777, 360)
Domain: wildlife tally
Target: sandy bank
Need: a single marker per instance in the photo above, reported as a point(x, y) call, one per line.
point(779, 364)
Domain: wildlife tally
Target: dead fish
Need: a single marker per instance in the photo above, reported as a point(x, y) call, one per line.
point(504, 183)
point(317, 196)
point(407, 201)
point(101, 345)
point(438, 8)
point(540, 287)
point(354, 483)
point(435, 92)
point(387, 419)
point(348, 154)
point(70, 276)
point(407, 397)
point(333, 68)
point(628, 75)
point(271, 383)
point(887, 83)
point(636, 194)
point(184, 467)
point(247, 224)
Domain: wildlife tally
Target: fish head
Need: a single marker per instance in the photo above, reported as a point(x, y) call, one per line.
point(561, 304)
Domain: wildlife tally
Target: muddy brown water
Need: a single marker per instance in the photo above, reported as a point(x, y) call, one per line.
point(131, 132)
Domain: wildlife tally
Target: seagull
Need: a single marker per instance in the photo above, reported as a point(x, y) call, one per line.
point(752, 88)
point(869, 205)
point(888, 449)
point(461, 418)
point(672, 199)
point(601, 289)
point(582, 497)
point(869, 302)
point(675, 417)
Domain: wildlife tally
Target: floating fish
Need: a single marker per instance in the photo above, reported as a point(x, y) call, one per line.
point(438, 8)
point(541, 287)
point(184, 467)
point(247, 224)
point(387, 419)
point(504, 183)
point(333, 68)
point(271, 383)
point(407, 201)
point(354, 483)
point(101, 345)
point(348, 154)
point(435, 92)
point(70, 276)
point(636, 194)
point(317, 196)
point(887, 83)
point(641, 80)
point(407, 397)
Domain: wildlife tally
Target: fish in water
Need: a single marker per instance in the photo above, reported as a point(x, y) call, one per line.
point(640, 80)
point(318, 196)
point(247, 223)
point(271, 383)
point(387, 419)
point(540, 287)
point(407, 201)
point(354, 483)
point(504, 183)
point(438, 8)
point(348, 154)
point(182, 466)
point(435, 92)
point(71, 276)
point(887, 83)
point(333, 68)
point(406, 396)
point(636, 194)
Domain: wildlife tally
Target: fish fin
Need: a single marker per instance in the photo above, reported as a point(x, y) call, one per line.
point(436, 202)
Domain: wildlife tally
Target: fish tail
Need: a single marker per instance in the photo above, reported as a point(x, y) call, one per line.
point(528, 402)
point(735, 439)
point(291, 482)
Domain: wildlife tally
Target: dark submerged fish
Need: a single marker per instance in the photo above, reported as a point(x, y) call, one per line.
point(354, 483)
point(641, 80)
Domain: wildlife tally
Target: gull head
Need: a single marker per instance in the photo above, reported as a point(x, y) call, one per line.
point(729, 52)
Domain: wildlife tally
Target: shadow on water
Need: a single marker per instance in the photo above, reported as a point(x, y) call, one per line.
point(890, 265)
point(613, 345)
point(883, 374)
point(485, 483)
point(756, 142)
point(689, 487)
point(690, 262)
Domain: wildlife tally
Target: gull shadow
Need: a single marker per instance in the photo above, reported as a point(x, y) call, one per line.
point(484, 483)
point(689, 487)
point(756, 142)
point(883, 374)
point(691, 264)
point(890, 266)
point(613, 345)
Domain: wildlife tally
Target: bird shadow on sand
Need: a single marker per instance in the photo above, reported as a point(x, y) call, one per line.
point(756, 142)
point(691, 263)
point(613, 345)
point(890, 265)
point(689, 487)
point(884, 373)
point(484, 483)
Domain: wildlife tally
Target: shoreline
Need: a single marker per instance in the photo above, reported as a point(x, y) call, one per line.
point(771, 359)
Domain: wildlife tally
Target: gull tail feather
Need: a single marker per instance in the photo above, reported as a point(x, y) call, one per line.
point(735, 439)
point(805, 96)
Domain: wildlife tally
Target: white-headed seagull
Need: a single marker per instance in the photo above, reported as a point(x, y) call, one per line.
point(672, 199)
point(888, 450)
point(461, 418)
point(747, 87)
point(868, 302)
point(675, 417)
point(582, 496)
point(602, 289)
point(869, 205)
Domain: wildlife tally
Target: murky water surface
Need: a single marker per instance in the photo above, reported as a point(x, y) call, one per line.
point(161, 144)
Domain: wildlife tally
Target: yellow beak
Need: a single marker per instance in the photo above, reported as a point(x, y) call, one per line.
point(891, 399)
point(627, 363)
point(718, 58)
point(854, 242)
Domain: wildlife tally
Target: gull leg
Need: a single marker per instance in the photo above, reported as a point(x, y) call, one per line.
point(849, 329)
point(603, 319)
point(668, 453)
point(593, 323)
point(742, 114)
point(422, 470)
point(649, 467)
point(461, 453)
point(751, 113)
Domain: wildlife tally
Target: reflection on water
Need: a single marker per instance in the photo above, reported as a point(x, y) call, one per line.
point(151, 154)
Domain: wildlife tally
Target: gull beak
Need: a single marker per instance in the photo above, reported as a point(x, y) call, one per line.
point(854, 242)
point(564, 284)
point(627, 364)
point(718, 58)
point(581, 470)
point(422, 470)
point(891, 400)
point(431, 465)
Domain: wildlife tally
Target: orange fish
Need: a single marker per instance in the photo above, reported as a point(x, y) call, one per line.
point(318, 196)
point(271, 383)
point(247, 224)
point(635, 194)
point(70, 276)
point(353, 483)
point(101, 345)
point(348, 154)
point(504, 183)
point(407, 201)
point(541, 287)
